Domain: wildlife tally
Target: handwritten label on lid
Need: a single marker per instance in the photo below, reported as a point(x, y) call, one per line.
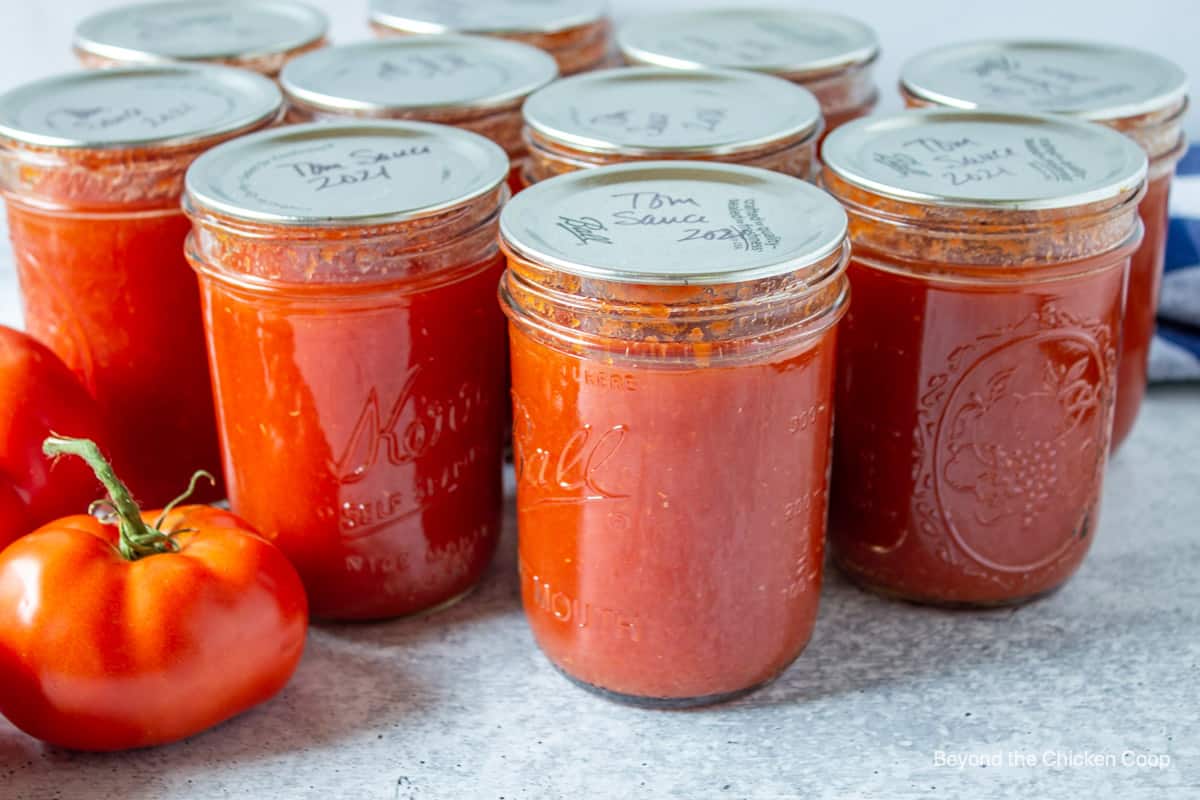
point(1094, 81)
point(659, 222)
point(970, 158)
point(763, 39)
point(415, 72)
point(200, 30)
point(327, 173)
point(465, 16)
point(141, 106)
point(651, 109)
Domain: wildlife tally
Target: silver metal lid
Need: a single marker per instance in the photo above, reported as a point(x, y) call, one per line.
point(674, 222)
point(499, 16)
point(651, 111)
point(991, 160)
point(416, 73)
point(137, 106)
point(1090, 81)
point(345, 174)
point(200, 30)
point(775, 40)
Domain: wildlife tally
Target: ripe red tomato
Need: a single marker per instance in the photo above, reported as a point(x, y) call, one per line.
point(144, 628)
point(38, 395)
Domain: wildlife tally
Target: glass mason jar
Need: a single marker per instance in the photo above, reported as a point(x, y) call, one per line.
point(470, 82)
point(91, 168)
point(830, 55)
point(577, 33)
point(672, 331)
point(258, 35)
point(348, 273)
point(978, 361)
point(651, 113)
point(1138, 93)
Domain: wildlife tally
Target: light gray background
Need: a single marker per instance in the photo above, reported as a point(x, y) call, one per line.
point(462, 705)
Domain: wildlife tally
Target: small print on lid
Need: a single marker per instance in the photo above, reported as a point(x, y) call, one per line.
point(1091, 81)
point(138, 106)
point(775, 40)
point(653, 111)
point(344, 174)
point(985, 159)
point(200, 30)
point(674, 222)
point(495, 16)
point(413, 73)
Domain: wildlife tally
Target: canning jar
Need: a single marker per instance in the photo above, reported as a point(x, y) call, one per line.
point(672, 328)
point(258, 35)
point(830, 55)
point(978, 361)
point(650, 113)
point(348, 273)
point(91, 167)
point(1138, 93)
point(470, 82)
point(577, 33)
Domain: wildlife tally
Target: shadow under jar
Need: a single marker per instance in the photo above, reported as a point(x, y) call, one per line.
point(258, 35)
point(672, 330)
point(348, 273)
point(471, 82)
point(978, 362)
point(92, 166)
point(1135, 92)
point(577, 33)
point(830, 55)
point(650, 113)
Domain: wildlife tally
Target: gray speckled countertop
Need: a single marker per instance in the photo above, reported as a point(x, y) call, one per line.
point(462, 705)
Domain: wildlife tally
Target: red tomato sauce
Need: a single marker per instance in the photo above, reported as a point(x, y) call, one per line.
point(671, 449)
point(359, 373)
point(93, 172)
point(978, 366)
point(114, 298)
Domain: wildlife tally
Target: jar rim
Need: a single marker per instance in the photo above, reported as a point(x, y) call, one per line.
point(443, 168)
point(131, 108)
point(519, 69)
point(673, 223)
point(782, 112)
point(439, 17)
point(986, 160)
point(1046, 76)
point(111, 34)
point(848, 41)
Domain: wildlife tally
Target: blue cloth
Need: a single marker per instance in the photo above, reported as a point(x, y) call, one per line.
point(1175, 353)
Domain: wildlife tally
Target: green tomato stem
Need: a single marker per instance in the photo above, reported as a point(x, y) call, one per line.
point(137, 539)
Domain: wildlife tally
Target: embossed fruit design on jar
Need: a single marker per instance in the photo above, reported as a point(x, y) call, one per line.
point(978, 362)
point(672, 331)
point(1140, 94)
point(830, 55)
point(91, 168)
point(471, 82)
point(577, 33)
point(258, 35)
point(651, 113)
point(348, 273)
